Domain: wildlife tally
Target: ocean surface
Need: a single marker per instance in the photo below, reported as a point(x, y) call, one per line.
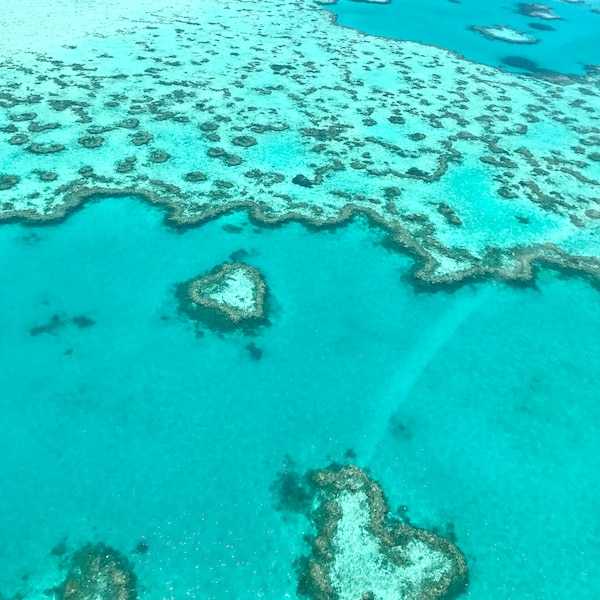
point(570, 43)
point(476, 407)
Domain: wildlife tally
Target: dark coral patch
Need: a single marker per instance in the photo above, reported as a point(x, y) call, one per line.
point(254, 351)
point(83, 322)
point(141, 547)
point(293, 491)
point(128, 123)
point(23, 117)
point(302, 181)
point(56, 322)
point(141, 138)
point(99, 572)
point(8, 181)
point(37, 128)
point(397, 120)
point(209, 126)
point(126, 165)
point(45, 148)
point(159, 156)
point(245, 141)
point(195, 176)
point(91, 141)
point(18, 140)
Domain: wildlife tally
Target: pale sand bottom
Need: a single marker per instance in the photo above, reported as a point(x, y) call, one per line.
point(359, 567)
point(237, 291)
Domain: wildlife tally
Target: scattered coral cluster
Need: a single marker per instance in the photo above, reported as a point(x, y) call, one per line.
point(271, 109)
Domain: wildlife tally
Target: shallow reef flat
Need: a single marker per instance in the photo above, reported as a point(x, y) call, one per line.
point(505, 34)
point(359, 552)
point(273, 109)
point(90, 572)
point(231, 295)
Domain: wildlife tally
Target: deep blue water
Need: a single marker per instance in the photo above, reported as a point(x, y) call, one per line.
point(573, 44)
point(477, 407)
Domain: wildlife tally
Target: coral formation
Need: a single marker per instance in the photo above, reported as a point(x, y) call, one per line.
point(505, 34)
point(321, 136)
point(541, 11)
point(231, 295)
point(359, 551)
point(98, 572)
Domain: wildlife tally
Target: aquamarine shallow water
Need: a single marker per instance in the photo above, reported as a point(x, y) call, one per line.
point(572, 45)
point(477, 408)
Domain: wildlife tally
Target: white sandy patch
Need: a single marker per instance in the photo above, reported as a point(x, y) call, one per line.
point(237, 291)
point(359, 567)
point(506, 34)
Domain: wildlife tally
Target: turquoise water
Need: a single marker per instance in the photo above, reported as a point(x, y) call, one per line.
point(572, 45)
point(474, 406)
point(477, 408)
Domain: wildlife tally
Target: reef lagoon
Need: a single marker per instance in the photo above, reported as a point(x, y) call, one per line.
point(565, 32)
point(296, 310)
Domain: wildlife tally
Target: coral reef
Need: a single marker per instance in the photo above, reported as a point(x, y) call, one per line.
point(540, 11)
point(359, 551)
point(505, 34)
point(342, 125)
point(231, 295)
point(98, 572)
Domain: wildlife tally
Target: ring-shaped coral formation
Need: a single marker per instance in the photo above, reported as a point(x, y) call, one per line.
point(231, 295)
point(359, 552)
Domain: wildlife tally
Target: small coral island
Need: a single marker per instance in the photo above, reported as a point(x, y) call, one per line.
point(232, 295)
point(98, 572)
point(539, 11)
point(360, 553)
point(505, 34)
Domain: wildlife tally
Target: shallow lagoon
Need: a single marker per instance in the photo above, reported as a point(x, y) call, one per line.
point(476, 408)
